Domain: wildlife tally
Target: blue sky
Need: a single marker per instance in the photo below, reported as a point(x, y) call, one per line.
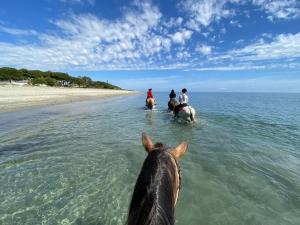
point(203, 45)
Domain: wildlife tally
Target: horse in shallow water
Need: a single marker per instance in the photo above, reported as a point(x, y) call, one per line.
point(171, 104)
point(157, 187)
point(187, 113)
point(150, 103)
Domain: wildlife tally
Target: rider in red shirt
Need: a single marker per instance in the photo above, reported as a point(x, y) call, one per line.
point(149, 93)
point(149, 96)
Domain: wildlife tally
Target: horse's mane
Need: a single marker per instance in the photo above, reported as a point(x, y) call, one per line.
point(152, 199)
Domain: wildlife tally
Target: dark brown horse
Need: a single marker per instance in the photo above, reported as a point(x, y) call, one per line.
point(157, 187)
point(171, 104)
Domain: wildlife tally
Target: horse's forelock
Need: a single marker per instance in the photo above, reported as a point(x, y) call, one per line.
point(160, 146)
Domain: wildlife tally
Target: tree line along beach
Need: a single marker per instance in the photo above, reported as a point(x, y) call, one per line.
point(24, 88)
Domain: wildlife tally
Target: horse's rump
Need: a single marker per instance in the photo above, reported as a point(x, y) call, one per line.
point(150, 103)
point(187, 113)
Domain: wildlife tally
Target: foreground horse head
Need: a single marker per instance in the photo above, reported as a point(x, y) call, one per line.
point(150, 103)
point(187, 113)
point(171, 104)
point(157, 187)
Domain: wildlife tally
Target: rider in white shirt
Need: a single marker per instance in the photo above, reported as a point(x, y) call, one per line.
point(183, 101)
point(183, 98)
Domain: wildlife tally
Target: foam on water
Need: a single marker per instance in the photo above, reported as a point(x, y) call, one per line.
point(78, 163)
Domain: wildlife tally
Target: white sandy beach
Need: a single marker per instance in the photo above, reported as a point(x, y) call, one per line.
point(17, 97)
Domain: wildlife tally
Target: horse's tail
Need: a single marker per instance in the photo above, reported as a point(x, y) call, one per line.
point(192, 116)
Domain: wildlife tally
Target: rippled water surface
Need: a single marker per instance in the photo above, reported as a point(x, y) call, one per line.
point(77, 163)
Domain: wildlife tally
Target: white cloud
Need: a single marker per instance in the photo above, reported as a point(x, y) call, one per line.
point(283, 46)
point(179, 20)
point(204, 12)
point(280, 47)
point(240, 41)
point(91, 2)
point(91, 43)
point(174, 22)
point(235, 23)
point(183, 55)
point(279, 9)
point(205, 34)
point(228, 68)
point(181, 36)
point(17, 32)
point(267, 35)
point(223, 30)
point(204, 49)
point(247, 66)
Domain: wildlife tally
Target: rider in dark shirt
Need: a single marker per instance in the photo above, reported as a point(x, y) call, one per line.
point(172, 94)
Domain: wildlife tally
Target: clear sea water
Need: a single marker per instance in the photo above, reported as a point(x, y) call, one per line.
point(77, 163)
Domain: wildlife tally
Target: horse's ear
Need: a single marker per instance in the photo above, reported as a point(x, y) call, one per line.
point(147, 143)
point(180, 150)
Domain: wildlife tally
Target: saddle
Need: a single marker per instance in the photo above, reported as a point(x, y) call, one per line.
point(182, 107)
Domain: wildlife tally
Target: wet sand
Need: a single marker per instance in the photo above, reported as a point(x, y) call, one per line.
point(13, 98)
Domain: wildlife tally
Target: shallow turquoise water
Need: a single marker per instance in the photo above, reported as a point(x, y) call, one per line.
point(77, 163)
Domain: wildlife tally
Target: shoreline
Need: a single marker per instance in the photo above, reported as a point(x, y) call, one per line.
point(14, 98)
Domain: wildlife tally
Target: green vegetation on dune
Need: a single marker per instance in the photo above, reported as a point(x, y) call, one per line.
point(57, 79)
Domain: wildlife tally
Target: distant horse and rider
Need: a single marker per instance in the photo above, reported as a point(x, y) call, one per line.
point(150, 100)
point(181, 109)
point(158, 184)
point(172, 102)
